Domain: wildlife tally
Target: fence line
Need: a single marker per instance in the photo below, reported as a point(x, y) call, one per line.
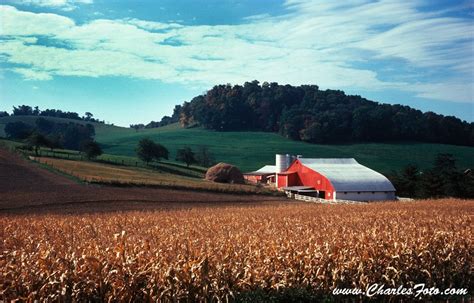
point(324, 201)
point(166, 167)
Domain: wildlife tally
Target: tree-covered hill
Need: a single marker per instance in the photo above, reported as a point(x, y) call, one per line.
point(309, 114)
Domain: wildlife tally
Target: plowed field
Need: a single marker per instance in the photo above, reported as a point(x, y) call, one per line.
point(26, 187)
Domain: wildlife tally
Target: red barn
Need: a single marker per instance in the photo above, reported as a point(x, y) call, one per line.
point(343, 179)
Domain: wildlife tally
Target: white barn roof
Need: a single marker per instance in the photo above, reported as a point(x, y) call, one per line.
point(267, 169)
point(349, 175)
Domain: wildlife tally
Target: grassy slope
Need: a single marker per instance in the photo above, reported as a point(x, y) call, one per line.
point(251, 150)
point(100, 173)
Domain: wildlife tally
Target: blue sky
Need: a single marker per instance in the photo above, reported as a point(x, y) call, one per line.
point(133, 61)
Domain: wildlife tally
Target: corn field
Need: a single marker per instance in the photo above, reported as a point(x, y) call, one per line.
point(223, 253)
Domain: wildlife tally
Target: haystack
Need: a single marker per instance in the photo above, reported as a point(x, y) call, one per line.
point(224, 173)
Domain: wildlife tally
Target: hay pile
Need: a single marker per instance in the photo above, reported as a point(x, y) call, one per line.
point(224, 173)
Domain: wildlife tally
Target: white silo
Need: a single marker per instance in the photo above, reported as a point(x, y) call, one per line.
point(289, 160)
point(282, 162)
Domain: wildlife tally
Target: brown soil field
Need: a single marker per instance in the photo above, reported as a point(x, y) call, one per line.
point(27, 187)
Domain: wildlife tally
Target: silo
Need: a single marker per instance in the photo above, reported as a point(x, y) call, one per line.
point(289, 160)
point(281, 163)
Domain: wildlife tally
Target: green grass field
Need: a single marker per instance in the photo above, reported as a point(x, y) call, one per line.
point(251, 150)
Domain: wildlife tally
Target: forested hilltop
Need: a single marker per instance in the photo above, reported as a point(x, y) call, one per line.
point(309, 114)
point(26, 110)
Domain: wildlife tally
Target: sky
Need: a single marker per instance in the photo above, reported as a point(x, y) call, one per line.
point(133, 61)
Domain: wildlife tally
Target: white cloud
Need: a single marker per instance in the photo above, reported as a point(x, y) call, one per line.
point(66, 5)
point(460, 91)
point(32, 74)
point(316, 42)
point(19, 23)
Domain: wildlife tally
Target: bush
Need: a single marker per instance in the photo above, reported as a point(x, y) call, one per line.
point(147, 151)
point(92, 149)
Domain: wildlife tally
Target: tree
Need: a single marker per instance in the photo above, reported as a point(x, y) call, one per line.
point(137, 127)
point(18, 130)
point(442, 180)
point(44, 126)
point(432, 184)
point(22, 110)
point(36, 140)
point(445, 168)
point(55, 141)
point(186, 155)
point(92, 149)
point(36, 111)
point(333, 115)
point(147, 150)
point(466, 185)
point(161, 152)
point(408, 183)
point(204, 157)
point(445, 163)
point(74, 134)
point(88, 116)
point(4, 114)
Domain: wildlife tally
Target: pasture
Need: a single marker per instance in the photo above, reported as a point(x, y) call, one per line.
point(251, 150)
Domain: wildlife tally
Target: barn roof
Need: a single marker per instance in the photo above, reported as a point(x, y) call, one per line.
point(348, 175)
point(271, 169)
point(267, 169)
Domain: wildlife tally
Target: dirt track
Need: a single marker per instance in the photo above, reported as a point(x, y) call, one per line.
point(26, 187)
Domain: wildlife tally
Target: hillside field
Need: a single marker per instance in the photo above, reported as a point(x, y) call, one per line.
point(29, 187)
point(100, 173)
point(251, 150)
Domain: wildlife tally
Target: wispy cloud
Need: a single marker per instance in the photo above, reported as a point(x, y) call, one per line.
point(329, 43)
point(66, 5)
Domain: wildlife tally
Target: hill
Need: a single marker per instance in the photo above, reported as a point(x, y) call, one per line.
point(104, 128)
point(306, 113)
point(251, 150)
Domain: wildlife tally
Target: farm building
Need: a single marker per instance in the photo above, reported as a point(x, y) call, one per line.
point(265, 174)
point(331, 179)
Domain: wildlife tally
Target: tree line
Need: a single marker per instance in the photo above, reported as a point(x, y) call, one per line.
point(52, 134)
point(26, 110)
point(309, 114)
point(166, 120)
point(148, 150)
point(443, 179)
